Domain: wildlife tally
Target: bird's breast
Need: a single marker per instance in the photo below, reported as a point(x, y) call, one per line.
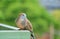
point(23, 22)
point(22, 19)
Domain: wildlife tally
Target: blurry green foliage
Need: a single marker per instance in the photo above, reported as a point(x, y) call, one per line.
point(39, 17)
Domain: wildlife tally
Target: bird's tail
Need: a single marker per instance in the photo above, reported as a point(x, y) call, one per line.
point(32, 35)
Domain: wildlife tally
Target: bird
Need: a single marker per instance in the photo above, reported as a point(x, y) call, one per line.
point(24, 24)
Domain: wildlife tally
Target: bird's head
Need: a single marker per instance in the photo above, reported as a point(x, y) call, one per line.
point(22, 15)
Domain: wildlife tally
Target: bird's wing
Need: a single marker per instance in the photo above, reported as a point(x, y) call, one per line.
point(17, 19)
point(29, 25)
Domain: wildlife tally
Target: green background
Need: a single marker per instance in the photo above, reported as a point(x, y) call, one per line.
point(37, 14)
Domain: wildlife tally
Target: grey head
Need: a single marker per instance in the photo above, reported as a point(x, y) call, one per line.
point(22, 16)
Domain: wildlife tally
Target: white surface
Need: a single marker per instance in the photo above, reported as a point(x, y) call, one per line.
point(8, 26)
point(14, 31)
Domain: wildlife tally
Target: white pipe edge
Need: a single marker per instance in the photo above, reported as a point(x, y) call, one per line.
point(14, 31)
point(8, 26)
